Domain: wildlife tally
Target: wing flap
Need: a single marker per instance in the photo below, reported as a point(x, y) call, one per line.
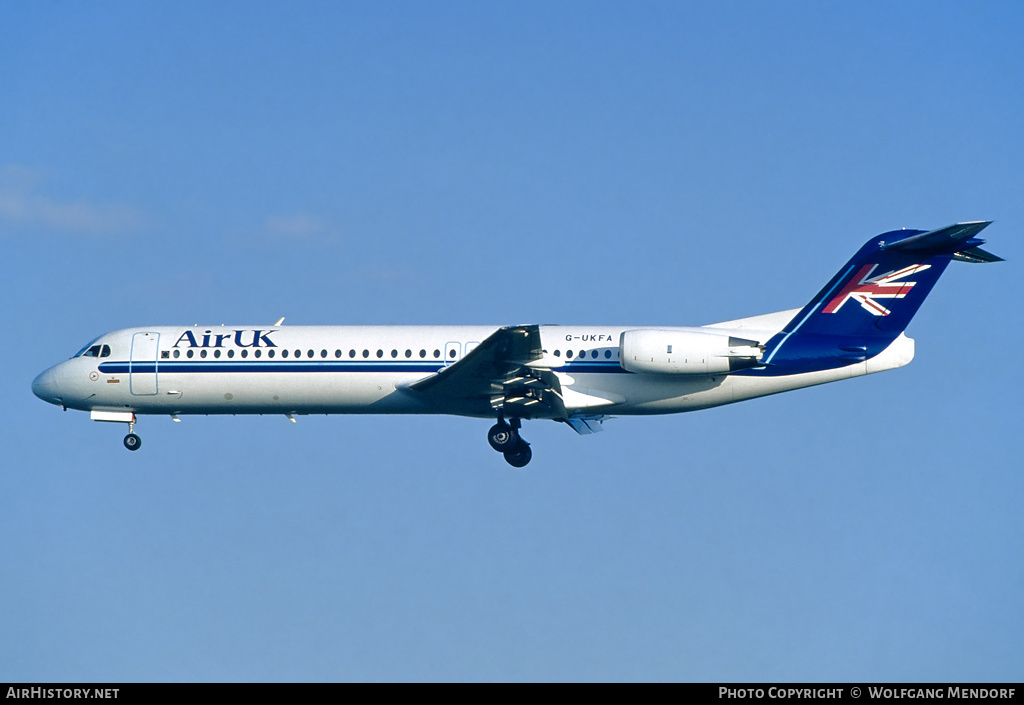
point(497, 376)
point(586, 425)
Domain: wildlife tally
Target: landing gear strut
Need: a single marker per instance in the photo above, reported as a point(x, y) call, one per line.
point(504, 438)
point(131, 441)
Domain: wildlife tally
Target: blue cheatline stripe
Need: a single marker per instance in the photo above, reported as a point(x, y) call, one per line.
point(173, 366)
point(612, 367)
point(813, 309)
point(218, 366)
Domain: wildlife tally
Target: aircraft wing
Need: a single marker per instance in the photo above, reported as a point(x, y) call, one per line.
point(496, 376)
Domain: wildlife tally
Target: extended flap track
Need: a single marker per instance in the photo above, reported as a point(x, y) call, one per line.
point(529, 393)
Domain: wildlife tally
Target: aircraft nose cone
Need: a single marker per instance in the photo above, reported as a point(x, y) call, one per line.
point(47, 387)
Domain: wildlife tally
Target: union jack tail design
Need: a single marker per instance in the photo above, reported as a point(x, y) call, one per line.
point(827, 333)
point(865, 289)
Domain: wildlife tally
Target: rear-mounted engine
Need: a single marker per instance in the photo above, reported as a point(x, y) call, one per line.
point(686, 352)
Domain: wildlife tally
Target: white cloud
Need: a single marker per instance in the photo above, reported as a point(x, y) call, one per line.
point(21, 202)
point(298, 225)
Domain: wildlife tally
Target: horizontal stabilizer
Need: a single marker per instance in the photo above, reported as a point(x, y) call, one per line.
point(943, 241)
point(976, 255)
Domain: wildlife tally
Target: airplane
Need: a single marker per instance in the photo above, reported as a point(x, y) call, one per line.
point(578, 375)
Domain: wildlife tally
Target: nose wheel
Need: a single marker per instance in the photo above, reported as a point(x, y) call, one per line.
point(504, 438)
point(131, 441)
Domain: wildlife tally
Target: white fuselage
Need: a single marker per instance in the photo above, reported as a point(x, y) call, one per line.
point(578, 375)
point(368, 370)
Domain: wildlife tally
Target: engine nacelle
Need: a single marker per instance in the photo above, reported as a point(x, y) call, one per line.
point(685, 352)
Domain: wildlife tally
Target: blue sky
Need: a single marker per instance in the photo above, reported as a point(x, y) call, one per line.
point(573, 162)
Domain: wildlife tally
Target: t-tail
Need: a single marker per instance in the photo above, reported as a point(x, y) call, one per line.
point(872, 299)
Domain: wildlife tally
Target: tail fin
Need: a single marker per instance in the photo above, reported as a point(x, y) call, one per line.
point(872, 299)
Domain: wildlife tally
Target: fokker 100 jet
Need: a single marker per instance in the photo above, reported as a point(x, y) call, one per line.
point(579, 375)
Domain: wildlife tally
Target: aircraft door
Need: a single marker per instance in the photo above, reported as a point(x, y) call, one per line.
point(142, 367)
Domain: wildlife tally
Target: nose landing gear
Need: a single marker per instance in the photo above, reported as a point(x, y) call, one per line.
point(504, 438)
point(131, 441)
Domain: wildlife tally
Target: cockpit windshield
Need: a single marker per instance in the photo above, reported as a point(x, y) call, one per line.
point(93, 350)
point(87, 346)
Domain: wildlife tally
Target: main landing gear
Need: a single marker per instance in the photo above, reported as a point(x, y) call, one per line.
point(504, 438)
